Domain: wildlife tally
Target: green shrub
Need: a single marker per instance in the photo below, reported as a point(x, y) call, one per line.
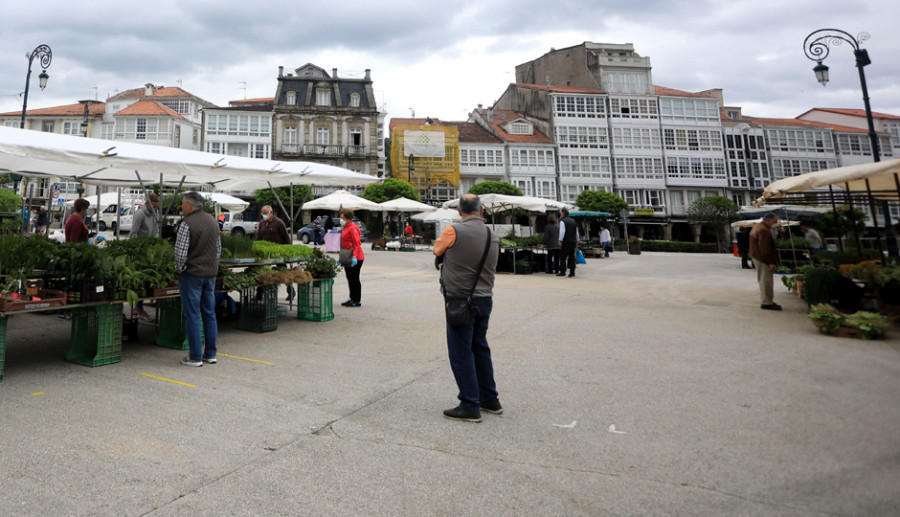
point(677, 246)
point(848, 256)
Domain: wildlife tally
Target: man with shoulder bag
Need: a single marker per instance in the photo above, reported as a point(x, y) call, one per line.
point(466, 253)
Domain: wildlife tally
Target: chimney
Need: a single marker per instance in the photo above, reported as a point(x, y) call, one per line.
point(368, 74)
point(148, 90)
point(334, 73)
point(490, 115)
point(280, 71)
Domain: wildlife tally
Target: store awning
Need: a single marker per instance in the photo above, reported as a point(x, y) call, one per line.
point(880, 176)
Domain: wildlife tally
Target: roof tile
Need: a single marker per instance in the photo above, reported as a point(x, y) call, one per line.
point(70, 110)
point(147, 107)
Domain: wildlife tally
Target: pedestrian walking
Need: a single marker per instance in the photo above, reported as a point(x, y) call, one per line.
point(605, 241)
point(765, 258)
point(568, 243)
point(551, 242)
point(462, 248)
point(350, 240)
point(197, 251)
point(743, 246)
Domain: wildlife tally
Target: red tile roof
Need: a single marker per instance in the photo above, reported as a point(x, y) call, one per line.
point(414, 122)
point(500, 117)
point(854, 113)
point(472, 133)
point(171, 91)
point(672, 92)
point(558, 88)
point(158, 91)
point(146, 107)
point(792, 122)
point(70, 110)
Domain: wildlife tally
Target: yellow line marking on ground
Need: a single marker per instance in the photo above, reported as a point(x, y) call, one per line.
point(36, 394)
point(168, 380)
point(245, 359)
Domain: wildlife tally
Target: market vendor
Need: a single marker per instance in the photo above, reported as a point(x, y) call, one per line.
point(272, 229)
point(76, 229)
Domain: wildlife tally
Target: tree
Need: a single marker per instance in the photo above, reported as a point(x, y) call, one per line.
point(600, 201)
point(828, 223)
point(716, 211)
point(10, 202)
point(301, 195)
point(389, 189)
point(495, 187)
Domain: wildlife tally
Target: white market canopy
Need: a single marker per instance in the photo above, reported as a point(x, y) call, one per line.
point(750, 223)
point(104, 162)
point(441, 214)
point(230, 203)
point(784, 211)
point(106, 199)
point(879, 174)
point(501, 202)
point(341, 199)
point(402, 204)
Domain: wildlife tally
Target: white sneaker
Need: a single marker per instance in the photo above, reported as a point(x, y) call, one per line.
point(187, 361)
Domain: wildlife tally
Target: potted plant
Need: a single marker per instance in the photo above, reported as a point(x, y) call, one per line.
point(523, 266)
point(634, 245)
point(861, 324)
point(320, 266)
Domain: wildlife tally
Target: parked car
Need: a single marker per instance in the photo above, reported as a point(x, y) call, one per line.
point(107, 218)
point(307, 233)
point(235, 224)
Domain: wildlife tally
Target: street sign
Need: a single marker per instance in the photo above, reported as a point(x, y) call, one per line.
point(643, 211)
point(55, 194)
point(623, 213)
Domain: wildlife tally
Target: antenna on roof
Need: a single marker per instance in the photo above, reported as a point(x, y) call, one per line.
point(412, 113)
point(244, 87)
point(178, 82)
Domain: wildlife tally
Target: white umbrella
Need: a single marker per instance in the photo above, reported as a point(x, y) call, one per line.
point(501, 202)
point(441, 214)
point(230, 203)
point(341, 199)
point(402, 204)
point(749, 223)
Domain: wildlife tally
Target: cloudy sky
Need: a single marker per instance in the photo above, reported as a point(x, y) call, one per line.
point(442, 58)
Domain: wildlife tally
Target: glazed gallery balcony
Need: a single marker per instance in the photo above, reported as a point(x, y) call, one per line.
point(323, 150)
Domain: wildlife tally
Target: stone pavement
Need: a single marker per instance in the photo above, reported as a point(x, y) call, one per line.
point(647, 385)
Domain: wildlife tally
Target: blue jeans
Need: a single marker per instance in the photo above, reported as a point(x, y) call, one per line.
point(198, 298)
point(470, 357)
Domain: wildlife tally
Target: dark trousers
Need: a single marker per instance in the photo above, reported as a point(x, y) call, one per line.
point(568, 254)
point(470, 357)
point(353, 281)
point(745, 261)
point(553, 260)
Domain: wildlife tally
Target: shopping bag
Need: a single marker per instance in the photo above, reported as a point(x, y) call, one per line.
point(579, 257)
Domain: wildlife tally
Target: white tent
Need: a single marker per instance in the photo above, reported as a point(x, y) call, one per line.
point(230, 203)
point(493, 203)
point(341, 199)
point(750, 223)
point(402, 204)
point(438, 215)
point(880, 176)
point(106, 199)
point(105, 162)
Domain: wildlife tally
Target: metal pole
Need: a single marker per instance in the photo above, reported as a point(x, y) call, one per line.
point(837, 219)
point(853, 218)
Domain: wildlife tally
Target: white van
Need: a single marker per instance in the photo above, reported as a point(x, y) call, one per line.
point(107, 219)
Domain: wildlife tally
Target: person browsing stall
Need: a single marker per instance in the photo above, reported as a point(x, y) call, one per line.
point(350, 239)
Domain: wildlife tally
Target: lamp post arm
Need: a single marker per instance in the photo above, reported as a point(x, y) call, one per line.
point(46, 56)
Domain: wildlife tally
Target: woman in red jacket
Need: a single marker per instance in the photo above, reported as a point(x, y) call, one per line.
point(350, 239)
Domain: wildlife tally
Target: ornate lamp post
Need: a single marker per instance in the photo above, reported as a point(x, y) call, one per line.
point(816, 48)
point(46, 55)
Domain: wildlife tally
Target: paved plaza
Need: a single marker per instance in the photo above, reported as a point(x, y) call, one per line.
point(646, 385)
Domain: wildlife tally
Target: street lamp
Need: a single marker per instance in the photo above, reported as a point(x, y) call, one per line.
point(46, 55)
point(815, 46)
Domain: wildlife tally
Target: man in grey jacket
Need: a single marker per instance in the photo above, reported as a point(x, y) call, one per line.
point(461, 246)
point(145, 222)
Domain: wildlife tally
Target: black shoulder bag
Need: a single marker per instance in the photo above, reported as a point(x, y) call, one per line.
point(459, 308)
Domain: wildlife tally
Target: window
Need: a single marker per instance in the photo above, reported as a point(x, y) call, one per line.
point(693, 140)
point(580, 137)
point(693, 110)
point(323, 98)
point(738, 199)
point(639, 168)
point(524, 185)
point(106, 131)
point(636, 138)
point(481, 158)
point(579, 106)
point(322, 136)
point(215, 147)
point(520, 128)
point(594, 167)
point(622, 107)
point(195, 138)
point(290, 98)
point(545, 188)
point(290, 135)
point(47, 127)
point(141, 132)
point(676, 201)
point(259, 151)
point(695, 168)
point(354, 100)
point(71, 128)
point(355, 137)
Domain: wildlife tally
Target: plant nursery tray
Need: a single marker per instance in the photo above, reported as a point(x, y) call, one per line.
point(156, 292)
point(48, 298)
point(238, 261)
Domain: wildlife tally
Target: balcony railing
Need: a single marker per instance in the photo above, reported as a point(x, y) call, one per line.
point(324, 150)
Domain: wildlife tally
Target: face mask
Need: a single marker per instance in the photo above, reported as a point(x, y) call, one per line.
point(266, 217)
point(343, 223)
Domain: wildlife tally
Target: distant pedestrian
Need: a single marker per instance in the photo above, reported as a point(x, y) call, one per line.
point(462, 248)
point(810, 234)
point(568, 243)
point(328, 225)
point(605, 240)
point(765, 258)
point(551, 242)
point(42, 221)
point(743, 246)
point(197, 252)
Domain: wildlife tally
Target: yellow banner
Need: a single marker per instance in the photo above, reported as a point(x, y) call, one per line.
point(426, 172)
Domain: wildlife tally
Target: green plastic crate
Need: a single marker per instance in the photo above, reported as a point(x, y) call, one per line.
point(171, 324)
point(314, 300)
point(259, 309)
point(96, 335)
point(2, 344)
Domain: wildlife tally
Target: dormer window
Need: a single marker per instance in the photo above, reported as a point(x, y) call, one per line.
point(354, 100)
point(323, 98)
point(290, 98)
point(521, 128)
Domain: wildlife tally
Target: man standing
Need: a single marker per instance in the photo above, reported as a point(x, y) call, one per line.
point(743, 246)
point(810, 234)
point(568, 242)
point(76, 229)
point(145, 222)
point(273, 229)
point(197, 251)
point(461, 247)
point(765, 258)
point(42, 220)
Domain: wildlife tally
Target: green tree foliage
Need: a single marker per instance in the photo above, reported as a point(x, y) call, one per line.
point(10, 202)
point(302, 194)
point(600, 201)
point(495, 187)
point(389, 189)
point(716, 211)
point(828, 223)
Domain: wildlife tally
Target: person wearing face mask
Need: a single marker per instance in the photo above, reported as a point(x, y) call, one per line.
point(350, 239)
point(272, 229)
